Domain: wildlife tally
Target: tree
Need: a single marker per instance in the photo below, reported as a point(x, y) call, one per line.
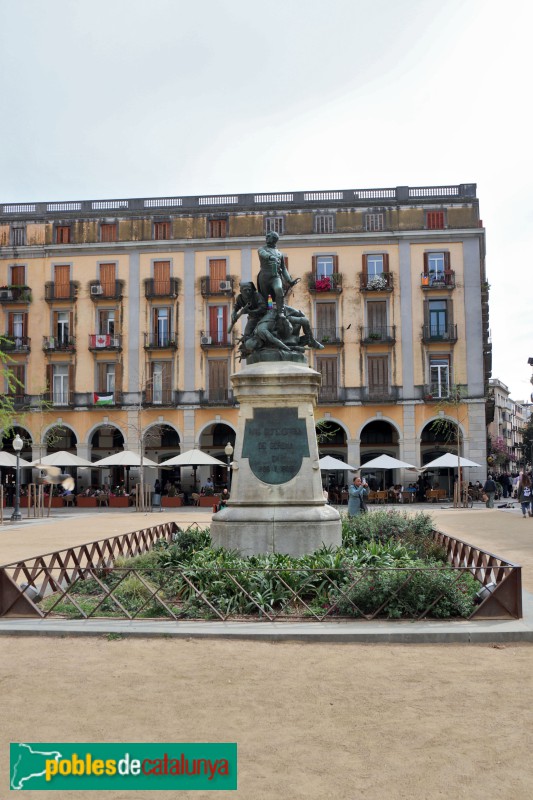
point(8, 413)
point(527, 444)
point(449, 428)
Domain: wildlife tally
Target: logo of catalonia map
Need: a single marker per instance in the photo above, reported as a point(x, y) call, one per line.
point(27, 763)
point(275, 442)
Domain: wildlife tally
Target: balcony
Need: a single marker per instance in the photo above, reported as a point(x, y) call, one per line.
point(328, 336)
point(376, 283)
point(105, 341)
point(220, 339)
point(378, 334)
point(16, 344)
point(66, 293)
point(326, 284)
point(60, 398)
point(159, 397)
point(158, 341)
point(438, 280)
point(102, 399)
point(106, 291)
point(167, 288)
point(434, 392)
point(15, 294)
point(439, 333)
point(379, 394)
point(330, 394)
point(216, 397)
point(59, 344)
point(19, 400)
point(209, 287)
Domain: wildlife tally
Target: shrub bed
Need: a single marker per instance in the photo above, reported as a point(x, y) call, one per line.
point(388, 566)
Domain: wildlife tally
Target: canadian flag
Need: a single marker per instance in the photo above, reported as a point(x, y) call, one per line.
point(102, 340)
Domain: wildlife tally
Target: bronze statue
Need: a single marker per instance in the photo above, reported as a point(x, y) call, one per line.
point(271, 333)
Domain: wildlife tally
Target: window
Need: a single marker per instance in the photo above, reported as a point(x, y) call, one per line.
point(60, 384)
point(108, 274)
point(161, 278)
point(106, 322)
point(328, 368)
point(436, 266)
point(218, 380)
point(275, 225)
point(18, 235)
point(17, 382)
point(161, 230)
point(324, 223)
point(374, 222)
point(324, 266)
point(217, 273)
point(108, 232)
point(439, 377)
point(217, 228)
point(61, 281)
point(161, 327)
point(106, 378)
point(63, 234)
point(376, 314)
point(326, 322)
point(161, 382)
point(375, 264)
point(438, 318)
point(434, 220)
point(378, 375)
point(17, 325)
point(18, 276)
point(218, 324)
point(62, 327)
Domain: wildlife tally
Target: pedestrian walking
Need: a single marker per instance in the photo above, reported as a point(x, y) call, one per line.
point(524, 495)
point(490, 490)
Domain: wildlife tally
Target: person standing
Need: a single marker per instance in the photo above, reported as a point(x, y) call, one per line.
point(356, 497)
point(524, 495)
point(490, 490)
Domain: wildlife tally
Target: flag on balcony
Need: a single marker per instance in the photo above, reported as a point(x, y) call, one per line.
point(102, 340)
point(103, 399)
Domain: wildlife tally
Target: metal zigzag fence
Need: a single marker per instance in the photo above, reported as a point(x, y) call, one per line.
point(85, 582)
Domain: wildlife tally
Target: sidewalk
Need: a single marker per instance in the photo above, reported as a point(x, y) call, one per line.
point(500, 531)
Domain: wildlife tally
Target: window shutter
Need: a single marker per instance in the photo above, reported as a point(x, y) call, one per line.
point(449, 313)
point(101, 379)
point(385, 262)
point(213, 320)
point(49, 381)
point(162, 277)
point(71, 324)
point(365, 265)
point(70, 382)
point(426, 263)
point(315, 259)
point(149, 387)
point(217, 273)
point(426, 313)
point(167, 376)
point(10, 328)
point(118, 377)
point(155, 316)
point(447, 261)
point(378, 373)
point(55, 323)
point(62, 280)
point(108, 274)
point(24, 325)
point(335, 263)
point(224, 324)
point(17, 276)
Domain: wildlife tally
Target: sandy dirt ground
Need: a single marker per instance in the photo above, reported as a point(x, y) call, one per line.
point(311, 720)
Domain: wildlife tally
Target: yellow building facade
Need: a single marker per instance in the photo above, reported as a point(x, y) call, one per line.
point(115, 314)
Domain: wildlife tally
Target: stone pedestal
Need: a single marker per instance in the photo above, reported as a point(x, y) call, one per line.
point(277, 503)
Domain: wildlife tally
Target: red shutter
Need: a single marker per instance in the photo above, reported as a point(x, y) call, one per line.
point(385, 262)
point(17, 276)
point(426, 263)
point(24, 325)
point(49, 381)
point(162, 277)
point(62, 280)
point(213, 316)
point(108, 274)
point(10, 328)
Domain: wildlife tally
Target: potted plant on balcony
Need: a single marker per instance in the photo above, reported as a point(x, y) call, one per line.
point(323, 284)
point(377, 283)
point(375, 336)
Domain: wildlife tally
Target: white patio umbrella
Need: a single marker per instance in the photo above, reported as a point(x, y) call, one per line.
point(125, 458)
point(328, 462)
point(63, 459)
point(192, 458)
point(9, 460)
point(386, 462)
point(450, 460)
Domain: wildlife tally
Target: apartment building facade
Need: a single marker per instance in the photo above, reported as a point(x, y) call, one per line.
point(507, 427)
point(115, 315)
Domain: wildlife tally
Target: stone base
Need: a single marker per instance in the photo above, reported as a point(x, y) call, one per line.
point(295, 530)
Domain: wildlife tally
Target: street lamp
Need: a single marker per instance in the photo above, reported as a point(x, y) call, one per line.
point(17, 447)
point(229, 452)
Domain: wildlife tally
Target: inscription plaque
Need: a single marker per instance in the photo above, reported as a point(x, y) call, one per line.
point(275, 442)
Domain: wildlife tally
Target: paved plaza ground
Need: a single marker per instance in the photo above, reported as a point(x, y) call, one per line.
point(311, 721)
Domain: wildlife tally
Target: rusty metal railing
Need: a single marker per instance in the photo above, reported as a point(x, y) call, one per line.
point(86, 579)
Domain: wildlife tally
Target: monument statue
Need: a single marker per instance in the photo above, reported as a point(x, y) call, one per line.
point(272, 333)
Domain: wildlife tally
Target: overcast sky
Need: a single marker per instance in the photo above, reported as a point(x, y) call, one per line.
point(140, 98)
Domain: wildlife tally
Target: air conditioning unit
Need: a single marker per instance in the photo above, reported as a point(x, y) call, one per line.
point(205, 340)
point(115, 341)
point(6, 294)
point(97, 289)
point(225, 286)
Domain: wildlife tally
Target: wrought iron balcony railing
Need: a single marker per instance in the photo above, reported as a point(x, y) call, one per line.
point(59, 343)
point(329, 335)
point(165, 288)
point(16, 344)
point(216, 339)
point(209, 286)
point(158, 341)
point(438, 280)
point(216, 397)
point(439, 333)
point(66, 292)
point(106, 291)
point(379, 394)
point(15, 294)
point(60, 398)
point(376, 283)
point(376, 334)
point(105, 341)
point(324, 284)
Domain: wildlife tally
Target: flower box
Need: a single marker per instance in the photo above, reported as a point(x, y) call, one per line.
point(171, 502)
point(119, 502)
point(86, 502)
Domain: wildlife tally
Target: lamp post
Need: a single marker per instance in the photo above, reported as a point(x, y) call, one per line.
point(17, 447)
point(229, 452)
